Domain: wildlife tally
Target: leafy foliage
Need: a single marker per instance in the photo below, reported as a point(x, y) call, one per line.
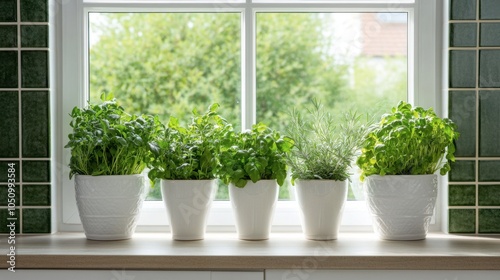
point(192, 152)
point(409, 141)
point(166, 64)
point(108, 141)
point(189, 60)
point(324, 146)
point(185, 60)
point(256, 154)
point(295, 63)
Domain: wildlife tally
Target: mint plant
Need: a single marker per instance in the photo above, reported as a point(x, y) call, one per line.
point(325, 145)
point(191, 152)
point(409, 141)
point(256, 154)
point(108, 141)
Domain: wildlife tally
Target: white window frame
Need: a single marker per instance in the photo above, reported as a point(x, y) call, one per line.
point(425, 19)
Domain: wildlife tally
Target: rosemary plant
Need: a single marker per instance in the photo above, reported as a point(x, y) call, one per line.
point(325, 145)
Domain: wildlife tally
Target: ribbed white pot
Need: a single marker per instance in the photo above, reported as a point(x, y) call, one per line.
point(321, 203)
point(109, 206)
point(253, 208)
point(188, 203)
point(401, 205)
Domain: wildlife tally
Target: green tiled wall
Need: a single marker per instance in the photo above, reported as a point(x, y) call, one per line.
point(25, 118)
point(474, 105)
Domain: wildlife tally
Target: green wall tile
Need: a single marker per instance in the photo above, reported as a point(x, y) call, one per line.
point(489, 170)
point(489, 195)
point(463, 9)
point(4, 214)
point(490, 35)
point(463, 34)
point(35, 36)
point(489, 117)
point(9, 10)
point(489, 220)
point(34, 11)
point(462, 195)
point(36, 220)
point(489, 68)
point(8, 69)
point(8, 35)
point(35, 119)
point(4, 195)
point(462, 220)
point(36, 195)
point(462, 110)
point(462, 69)
point(489, 9)
point(4, 170)
point(36, 171)
point(9, 126)
point(462, 171)
point(34, 69)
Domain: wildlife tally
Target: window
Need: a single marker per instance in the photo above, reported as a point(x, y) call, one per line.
point(256, 58)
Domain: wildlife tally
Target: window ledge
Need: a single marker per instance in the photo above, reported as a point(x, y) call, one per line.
point(223, 251)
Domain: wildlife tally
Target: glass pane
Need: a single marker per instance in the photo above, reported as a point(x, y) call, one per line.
point(346, 61)
point(167, 64)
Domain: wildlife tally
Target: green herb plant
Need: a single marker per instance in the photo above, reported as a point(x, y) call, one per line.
point(256, 154)
point(108, 141)
point(325, 144)
point(191, 152)
point(409, 141)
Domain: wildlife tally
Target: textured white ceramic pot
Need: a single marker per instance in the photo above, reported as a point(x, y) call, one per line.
point(188, 203)
point(321, 203)
point(253, 208)
point(109, 206)
point(401, 205)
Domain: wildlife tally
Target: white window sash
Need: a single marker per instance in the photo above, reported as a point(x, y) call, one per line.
point(424, 88)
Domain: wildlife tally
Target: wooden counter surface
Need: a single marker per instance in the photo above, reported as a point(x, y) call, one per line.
point(223, 251)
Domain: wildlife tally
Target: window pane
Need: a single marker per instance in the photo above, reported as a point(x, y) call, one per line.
point(167, 64)
point(345, 60)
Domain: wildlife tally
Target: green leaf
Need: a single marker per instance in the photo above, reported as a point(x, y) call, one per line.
point(409, 140)
point(107, 96)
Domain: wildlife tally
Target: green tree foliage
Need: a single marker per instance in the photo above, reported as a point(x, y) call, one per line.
point(294, 64)
point(166, 64)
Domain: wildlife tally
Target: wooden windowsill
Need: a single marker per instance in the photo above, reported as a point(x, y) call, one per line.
point(223, 251)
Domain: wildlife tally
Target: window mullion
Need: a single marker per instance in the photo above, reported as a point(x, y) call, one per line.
point(248, 92)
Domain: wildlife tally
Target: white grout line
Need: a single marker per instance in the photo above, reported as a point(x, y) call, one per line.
point(473, 48)
point(25, 49)
point(473, 207)
point(23, 23)
point(19, 81)
point(474, 20)
point(477, 116)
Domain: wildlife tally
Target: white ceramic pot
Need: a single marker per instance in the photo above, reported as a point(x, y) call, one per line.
point(253, 208)
point(109, 206)
point(321, 203)
point(188, 203)
point(401, 205)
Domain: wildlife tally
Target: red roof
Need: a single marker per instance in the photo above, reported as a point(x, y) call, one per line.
point(383, 38)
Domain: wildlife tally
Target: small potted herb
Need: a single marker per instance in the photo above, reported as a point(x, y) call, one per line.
point(325, 147)
point(187, 164)
point(254, 165)
point(399, 159)
point(109, 151)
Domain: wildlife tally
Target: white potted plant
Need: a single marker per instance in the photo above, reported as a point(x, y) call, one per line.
point(109, 151)
point(187, 164)
point(254, 166)
point(325, 147)
point(399, 159)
